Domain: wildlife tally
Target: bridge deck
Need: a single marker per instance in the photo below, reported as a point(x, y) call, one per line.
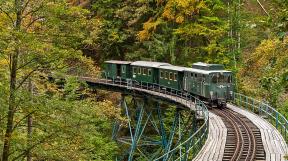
point(150, 91)
point(213, 150)
point(273, 142)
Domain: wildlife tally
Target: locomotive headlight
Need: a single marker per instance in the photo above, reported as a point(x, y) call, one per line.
point(211, 94)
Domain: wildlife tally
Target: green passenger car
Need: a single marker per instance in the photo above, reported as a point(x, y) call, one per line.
point(171, 76)
point(118, 69)
point(145, 71)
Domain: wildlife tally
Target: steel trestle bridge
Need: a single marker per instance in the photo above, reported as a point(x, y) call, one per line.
point(162, 123)
point(167, 124)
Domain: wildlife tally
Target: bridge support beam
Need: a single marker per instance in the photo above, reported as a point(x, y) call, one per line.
point(152, 129)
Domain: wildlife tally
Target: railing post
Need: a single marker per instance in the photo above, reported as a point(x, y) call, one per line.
point(253, 108)
point(246, 102)
point(260, 108)
point(285, 128)
point(240, 100)
point(267, 111)
point(277, 115)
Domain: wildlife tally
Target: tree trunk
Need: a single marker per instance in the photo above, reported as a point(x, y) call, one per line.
point(29, 135)
point(13, 80)
point(29, 123)
point(12, 105)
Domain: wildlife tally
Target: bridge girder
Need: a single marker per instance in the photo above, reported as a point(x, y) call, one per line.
point(153, 129)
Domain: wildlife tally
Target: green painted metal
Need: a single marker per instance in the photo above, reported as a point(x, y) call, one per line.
point(162, 131)
point(145, 136)
point(263, 110)
point(188, 142)
point(171, 79)
point(144, 74)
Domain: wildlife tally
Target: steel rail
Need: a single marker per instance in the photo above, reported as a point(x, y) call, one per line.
point(236, 130)
point(240, 143)
point(251, 138)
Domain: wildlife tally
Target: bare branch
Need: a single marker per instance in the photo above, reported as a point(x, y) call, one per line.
point(22, 66)
point(33, 21)
point(33, 11)
point(18, 123)
point(35, 145)
point(7, 14)
point(263, 8)
point(26, 77)
point(25, 6)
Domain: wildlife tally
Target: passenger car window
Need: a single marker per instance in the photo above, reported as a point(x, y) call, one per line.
point(145, 71)
point(166, 75)
point(149, 72)
point(134, 70)
point(139, 70)
point(171, 76)
point(175, 77)
point(161, 74)
point(123, 69)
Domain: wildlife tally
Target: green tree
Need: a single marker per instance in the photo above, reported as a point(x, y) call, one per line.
point(37, 37)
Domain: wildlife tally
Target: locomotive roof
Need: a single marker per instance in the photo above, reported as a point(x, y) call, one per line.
point(172, 67)
point(200, 71)
point(150, 64)
point(118, 62)
point(205, 66)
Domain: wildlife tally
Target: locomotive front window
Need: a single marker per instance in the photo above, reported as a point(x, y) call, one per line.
point(229, 79)
point(221, 78)
point(214, 78)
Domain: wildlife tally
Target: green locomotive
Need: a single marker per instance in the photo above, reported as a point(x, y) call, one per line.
point(210, 82)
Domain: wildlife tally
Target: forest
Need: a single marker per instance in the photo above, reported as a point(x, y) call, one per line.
point(42, 121)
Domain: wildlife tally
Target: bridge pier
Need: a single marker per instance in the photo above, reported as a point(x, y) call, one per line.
point(153, 129)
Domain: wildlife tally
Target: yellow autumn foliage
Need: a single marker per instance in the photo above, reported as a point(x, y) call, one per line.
point(148, 28)
point(177, 10)
point(268, 60)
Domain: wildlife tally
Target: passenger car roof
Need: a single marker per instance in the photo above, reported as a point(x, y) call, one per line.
point(118, 62)
point(149, 64)
point(172, 67)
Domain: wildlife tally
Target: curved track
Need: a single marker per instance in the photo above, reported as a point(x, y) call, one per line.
point(243, 137)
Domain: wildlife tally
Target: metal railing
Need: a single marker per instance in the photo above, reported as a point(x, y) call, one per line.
point(265, 111)
point(189, 148)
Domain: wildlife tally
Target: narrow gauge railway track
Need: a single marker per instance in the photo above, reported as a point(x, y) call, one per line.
point(243, 141)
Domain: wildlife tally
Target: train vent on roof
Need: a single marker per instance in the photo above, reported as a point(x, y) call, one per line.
point(204, 66)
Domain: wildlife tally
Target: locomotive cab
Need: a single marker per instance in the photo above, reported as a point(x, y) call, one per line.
point(221, 88)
